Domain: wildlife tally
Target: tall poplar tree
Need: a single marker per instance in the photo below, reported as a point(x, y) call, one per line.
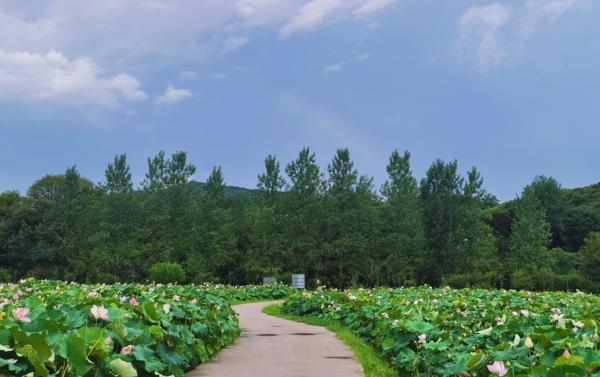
point(270, 182)
point(303, 208)
point(118, 176)
point(441, 191)
point(402, 240)
point(528, 243)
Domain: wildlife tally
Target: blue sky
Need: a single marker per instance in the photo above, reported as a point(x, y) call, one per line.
point(510, 87)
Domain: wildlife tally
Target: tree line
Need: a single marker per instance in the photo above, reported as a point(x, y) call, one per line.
point(332, 224)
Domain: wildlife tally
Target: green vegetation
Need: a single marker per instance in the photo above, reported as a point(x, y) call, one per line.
point(167, 272)
point(373, 365)
point(331, 224)
point(423, 331)
point(51, 328)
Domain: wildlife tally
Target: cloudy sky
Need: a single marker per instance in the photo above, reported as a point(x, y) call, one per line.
point(511, 87)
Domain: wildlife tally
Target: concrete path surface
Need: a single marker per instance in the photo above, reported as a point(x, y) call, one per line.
point(275, 347)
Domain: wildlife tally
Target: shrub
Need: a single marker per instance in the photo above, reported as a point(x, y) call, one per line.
point(475, 279)
point(522, 279)
point(590, 252)
point(4, 275)
point(571, 281)
point(167, 272)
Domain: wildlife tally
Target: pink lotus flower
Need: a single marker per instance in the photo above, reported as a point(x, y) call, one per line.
point(175, 297)
point(525, 313)
point(194, 301)
point(422, 339)
point(99, 312)
point(556, 317)
point(566, 353)
point(127, 350)
point(93, 294)
point(497, 367)
point(555, 310)
point(20, 314)
point(108, 340)
point(133, 301)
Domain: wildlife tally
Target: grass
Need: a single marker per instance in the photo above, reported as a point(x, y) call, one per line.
point(254, 300)
point(373, 365)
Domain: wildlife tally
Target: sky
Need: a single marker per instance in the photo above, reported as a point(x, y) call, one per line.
point(510, 87)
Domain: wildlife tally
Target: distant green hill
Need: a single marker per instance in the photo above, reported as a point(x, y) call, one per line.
point(581, 216)
point(231, 191)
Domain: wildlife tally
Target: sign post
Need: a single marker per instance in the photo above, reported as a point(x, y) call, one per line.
point(298, 281)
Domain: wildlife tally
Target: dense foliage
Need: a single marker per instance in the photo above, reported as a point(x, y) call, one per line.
point(331, 224)
point(448, 332)
point(59, 329)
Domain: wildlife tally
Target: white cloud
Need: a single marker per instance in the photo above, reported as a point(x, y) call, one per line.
point(125, 32)
point(334, 68)
point(481, 31)
point(310, 16)
point(193, 76)
point(189, 75)
point(316, 13)
point(232, 44)
point(130, 33)
point(261, 13)
point(216, 76)
point(172, 96)
point(371, 7)
point(491, 35)
point(537, 13)
point(26, 77)
point(141, 36)
point(338, 67)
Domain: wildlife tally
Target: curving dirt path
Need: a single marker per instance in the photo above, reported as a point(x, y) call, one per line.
point(275, 347)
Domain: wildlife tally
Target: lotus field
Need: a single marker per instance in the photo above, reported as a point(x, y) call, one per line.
point(51, 328)
point(469, 332)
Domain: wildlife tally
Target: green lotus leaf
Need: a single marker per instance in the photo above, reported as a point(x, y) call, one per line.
point(168, 355)
point(572, 360)
point(123, 368)
point(418, 326)
point(142, 353)
point(38, 342)
point(150, 312)
point(76, 355)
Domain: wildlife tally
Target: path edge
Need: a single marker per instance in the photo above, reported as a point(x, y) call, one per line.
point(372, 364)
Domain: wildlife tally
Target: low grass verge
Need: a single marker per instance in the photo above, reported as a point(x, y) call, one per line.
point(373, 365)
point(254, 301)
